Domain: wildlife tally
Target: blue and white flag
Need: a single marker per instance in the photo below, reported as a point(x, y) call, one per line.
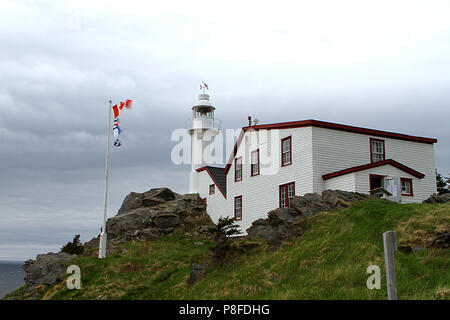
point(116, 132)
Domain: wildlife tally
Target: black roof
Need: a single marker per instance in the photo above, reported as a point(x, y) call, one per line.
point(219, 177)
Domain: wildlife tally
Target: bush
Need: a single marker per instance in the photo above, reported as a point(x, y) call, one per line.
point(226, 227)
point(74, 247)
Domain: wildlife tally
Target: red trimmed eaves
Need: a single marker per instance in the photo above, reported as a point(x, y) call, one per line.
point(327, 125)
point(373, 165)
point(212, 178)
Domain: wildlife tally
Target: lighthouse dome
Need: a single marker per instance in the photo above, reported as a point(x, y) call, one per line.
point(203, 100)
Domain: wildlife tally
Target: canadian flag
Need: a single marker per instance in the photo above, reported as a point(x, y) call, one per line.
point(126, 104)
point(117, 109)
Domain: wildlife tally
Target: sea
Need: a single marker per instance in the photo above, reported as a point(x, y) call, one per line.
point(11, 276)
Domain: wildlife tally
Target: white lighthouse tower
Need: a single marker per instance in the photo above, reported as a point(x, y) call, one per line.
point(202, 134)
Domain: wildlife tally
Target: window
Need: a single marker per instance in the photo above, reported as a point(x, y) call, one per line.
point(255, 163)
point(238, 169)
point(377, 150)
point(212, 189)
point(238, 208)
point(287, 191)
point(406, 187)
point(286, 154)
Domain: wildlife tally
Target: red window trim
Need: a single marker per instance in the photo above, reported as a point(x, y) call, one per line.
point(328, 125)
point(235, 169)
point(384, 149)
point(251, 164)
point(235, 198)
point(290, 151)
point(370, 179)
point(287, 190)
point(213, 190)
point(411, 193)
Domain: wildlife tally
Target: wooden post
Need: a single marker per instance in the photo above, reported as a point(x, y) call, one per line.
point(390, 245)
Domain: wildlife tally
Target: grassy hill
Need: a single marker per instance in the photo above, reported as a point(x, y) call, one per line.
point(328, 262)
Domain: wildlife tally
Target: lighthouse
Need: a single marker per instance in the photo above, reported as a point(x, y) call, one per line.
point(202, 134)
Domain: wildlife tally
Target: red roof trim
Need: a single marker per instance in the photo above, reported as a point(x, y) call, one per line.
point(373, 165)
point(327, 125)
point(236, 145)
point(205, 168)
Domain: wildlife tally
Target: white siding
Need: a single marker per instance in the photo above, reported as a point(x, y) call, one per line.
point(216, 203)
point(260, 193)
point(315, 152)
point(335, 150)
point(363, 182)
point(344, 183)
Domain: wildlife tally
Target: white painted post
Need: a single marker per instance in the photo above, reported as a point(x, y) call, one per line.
point(390, 245)
point(103, 236)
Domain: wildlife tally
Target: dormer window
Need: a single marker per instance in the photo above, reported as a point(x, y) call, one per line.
point(286, 151)
point(377, 153)
point(238, 169)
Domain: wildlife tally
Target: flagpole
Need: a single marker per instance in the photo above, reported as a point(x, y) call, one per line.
point(103, 237)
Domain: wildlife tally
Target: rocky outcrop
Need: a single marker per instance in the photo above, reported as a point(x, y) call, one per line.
point(142, 216)
point(434, 198)
point(46, 269)
point(281, 223)
point(149, 198)
point(148, 215)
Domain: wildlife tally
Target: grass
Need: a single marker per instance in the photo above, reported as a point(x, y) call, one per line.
point(328, 262)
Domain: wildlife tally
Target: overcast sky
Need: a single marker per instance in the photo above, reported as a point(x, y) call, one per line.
point(377, 64)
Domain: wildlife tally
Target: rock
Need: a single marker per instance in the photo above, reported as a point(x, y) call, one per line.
point(337, 199)
point(275, 278)
point(281, 225)
point(274, 233)
point(405, 249)
point(441, 240)
point(434, 198)
point(140, 218)
point(166, 220)
point(148, 215)
point(132, 201)
point(152, 201)
point(190, 196)
point(157, 196)
point(46, 269)
point(207, 229)
point(143, 234)
point(196, 274)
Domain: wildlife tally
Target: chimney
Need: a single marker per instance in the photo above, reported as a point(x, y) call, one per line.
point(249, 120)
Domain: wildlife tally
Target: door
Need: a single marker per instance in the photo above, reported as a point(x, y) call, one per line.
point(287, 191)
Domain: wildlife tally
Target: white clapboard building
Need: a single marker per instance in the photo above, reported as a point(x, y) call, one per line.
point(271, 163)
